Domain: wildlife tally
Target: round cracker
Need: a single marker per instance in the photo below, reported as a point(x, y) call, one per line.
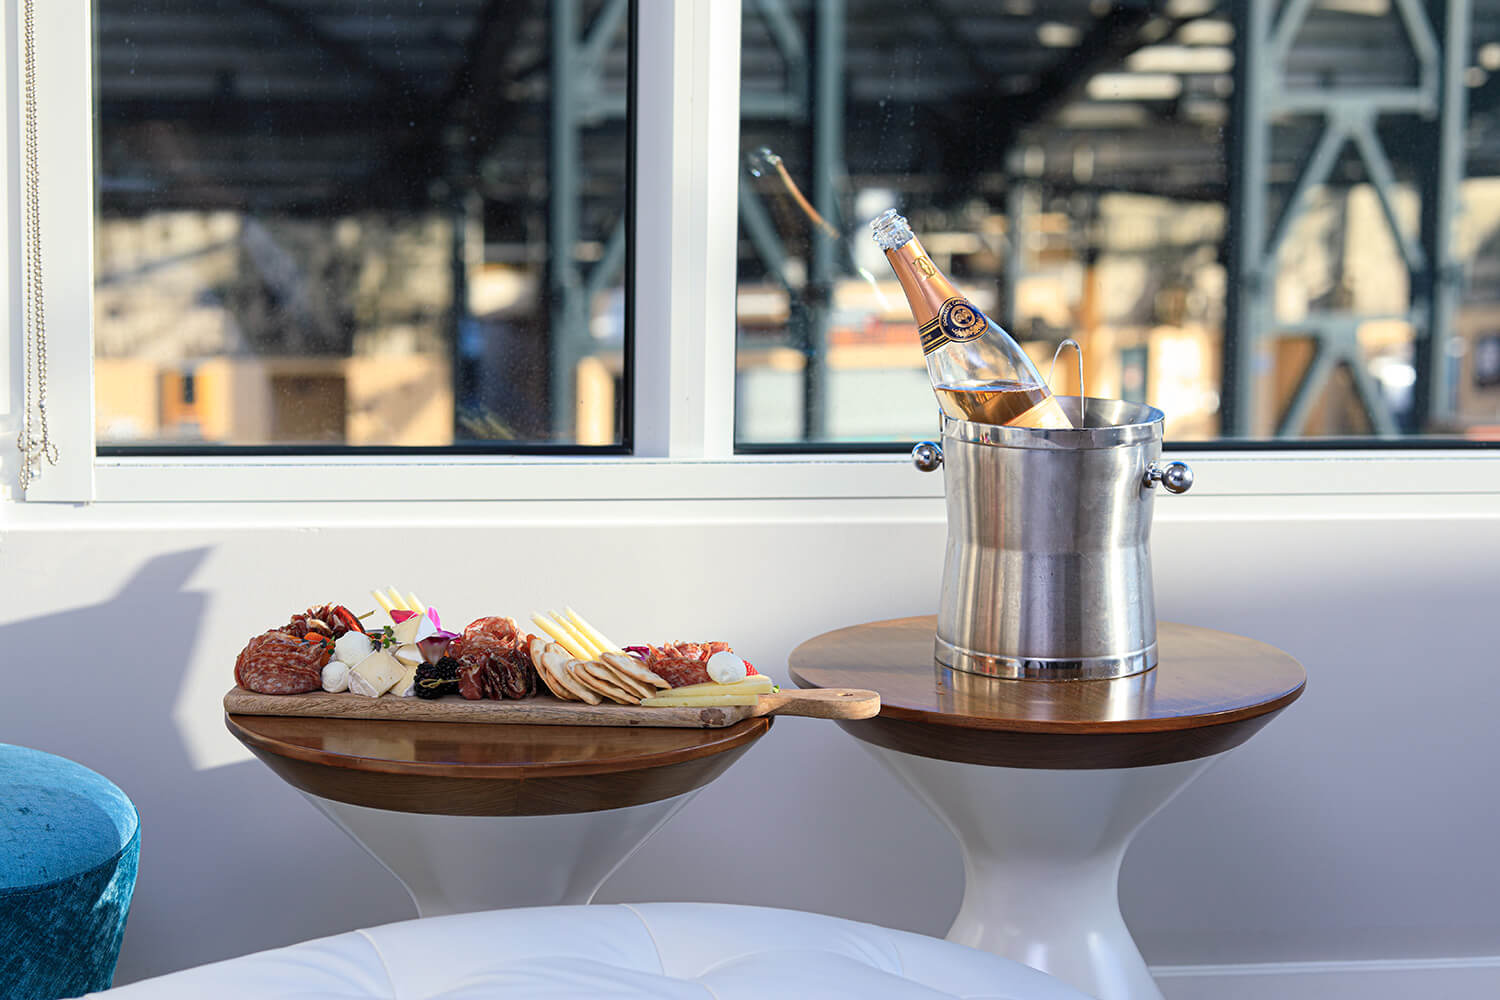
point(537, 647)
point(580, 676)
point(633, 668)
point(556, 659)
point(604, 673)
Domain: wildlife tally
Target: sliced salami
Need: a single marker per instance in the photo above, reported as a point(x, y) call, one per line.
point(280, 663)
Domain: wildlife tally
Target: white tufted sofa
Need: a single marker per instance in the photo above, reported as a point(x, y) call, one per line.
point(673, 951)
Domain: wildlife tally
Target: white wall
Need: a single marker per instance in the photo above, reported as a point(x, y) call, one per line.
point(1359, 825)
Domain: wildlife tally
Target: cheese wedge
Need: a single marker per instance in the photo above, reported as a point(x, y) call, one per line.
point(376, 674)
point(410, 655)
point(754, 684)
point(406, 632)
point(406, 687)
point(704, 701)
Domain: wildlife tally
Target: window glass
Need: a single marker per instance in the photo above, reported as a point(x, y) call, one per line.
point(370, 223)
point(1236, 209)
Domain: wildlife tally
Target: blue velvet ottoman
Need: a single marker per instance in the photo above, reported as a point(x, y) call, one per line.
point(69, 841)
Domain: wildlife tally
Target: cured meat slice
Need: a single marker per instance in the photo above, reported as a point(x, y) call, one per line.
point(693, 650)
point(279, 663)
point(679, 671)
point(494, 660)
point(681, 663)
point(332, 620)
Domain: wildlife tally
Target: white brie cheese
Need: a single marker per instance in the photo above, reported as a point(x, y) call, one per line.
point(406, 632)
point(409, 655)
point(375, 674)
point(406, 687)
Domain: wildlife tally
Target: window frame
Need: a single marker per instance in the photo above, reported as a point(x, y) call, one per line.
point(686, 168)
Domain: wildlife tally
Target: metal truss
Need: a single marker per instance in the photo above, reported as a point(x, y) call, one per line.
point(577, 98)
point(1434, 106)
point(817, 84)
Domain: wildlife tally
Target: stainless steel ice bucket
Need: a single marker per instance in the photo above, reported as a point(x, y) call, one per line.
point(1048, 567)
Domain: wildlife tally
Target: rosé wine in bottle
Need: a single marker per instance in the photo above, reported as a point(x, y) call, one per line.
point(978, 372)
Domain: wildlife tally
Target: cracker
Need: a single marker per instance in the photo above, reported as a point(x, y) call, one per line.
point(579, 674)
point(604, 672)
point(560, 663)
point(633, 668)
point(554, 661)
point(537, 647)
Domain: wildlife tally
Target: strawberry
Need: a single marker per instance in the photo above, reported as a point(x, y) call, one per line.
point(749, 670)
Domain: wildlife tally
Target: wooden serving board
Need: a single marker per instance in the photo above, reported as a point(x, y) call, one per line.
point(545, 710)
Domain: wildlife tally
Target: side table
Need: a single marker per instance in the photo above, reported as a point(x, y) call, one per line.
point(1045, 783)
point(473, 816)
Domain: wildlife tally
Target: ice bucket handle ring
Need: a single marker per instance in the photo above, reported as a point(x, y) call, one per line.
point(927, 456)
point(1175, 477)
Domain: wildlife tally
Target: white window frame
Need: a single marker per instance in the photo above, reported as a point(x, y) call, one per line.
point(687, 171)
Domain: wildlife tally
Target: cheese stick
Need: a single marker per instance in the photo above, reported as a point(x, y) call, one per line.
point(583, 641)
point(593, 634)
point(396, 600)
point(559, 636)
point(382, 600)
point(758, 684)
point(413, 604)
point(667, 700)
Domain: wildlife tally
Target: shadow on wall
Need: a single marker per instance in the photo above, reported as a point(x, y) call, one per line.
point(97, 684)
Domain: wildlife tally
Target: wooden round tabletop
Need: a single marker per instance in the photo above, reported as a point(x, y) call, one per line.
point(1209, 692)
point(475, 769)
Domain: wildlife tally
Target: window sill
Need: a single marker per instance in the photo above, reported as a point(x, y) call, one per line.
point(768, 477)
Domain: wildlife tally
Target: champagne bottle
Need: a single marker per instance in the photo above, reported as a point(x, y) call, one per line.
point(978, 372)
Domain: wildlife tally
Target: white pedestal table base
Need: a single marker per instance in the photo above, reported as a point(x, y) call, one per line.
point(460, 864)
point(1042, 852)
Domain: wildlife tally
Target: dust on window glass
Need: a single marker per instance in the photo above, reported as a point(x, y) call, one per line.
point(1237, 209)
point(370, 223)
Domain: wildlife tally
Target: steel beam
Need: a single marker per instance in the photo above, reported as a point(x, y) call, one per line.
point(566, 308)
point(827, 166)
point(1349, 116)
point(782, 27)
point(763, 237)
point(353, 57)
point(1248, 146)
point(1115, 35)
point(1440, 284)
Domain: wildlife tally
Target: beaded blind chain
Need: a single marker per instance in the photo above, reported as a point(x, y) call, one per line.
point(34, 443)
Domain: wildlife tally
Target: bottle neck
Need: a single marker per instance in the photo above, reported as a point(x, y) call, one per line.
point(925, 286)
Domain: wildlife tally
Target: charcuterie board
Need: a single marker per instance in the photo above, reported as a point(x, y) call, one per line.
point(544, 710)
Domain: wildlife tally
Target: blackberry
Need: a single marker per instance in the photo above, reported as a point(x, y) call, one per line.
point(437, 679)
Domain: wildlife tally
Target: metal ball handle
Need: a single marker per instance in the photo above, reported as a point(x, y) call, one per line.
point(927, 456)
point(1175, 477)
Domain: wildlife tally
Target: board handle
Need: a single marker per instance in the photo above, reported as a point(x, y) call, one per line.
point(821, 703)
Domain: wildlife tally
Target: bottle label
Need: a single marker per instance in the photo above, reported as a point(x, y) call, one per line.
point(957, 321)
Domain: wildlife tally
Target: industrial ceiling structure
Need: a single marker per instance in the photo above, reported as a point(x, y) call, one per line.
point(332, 107)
